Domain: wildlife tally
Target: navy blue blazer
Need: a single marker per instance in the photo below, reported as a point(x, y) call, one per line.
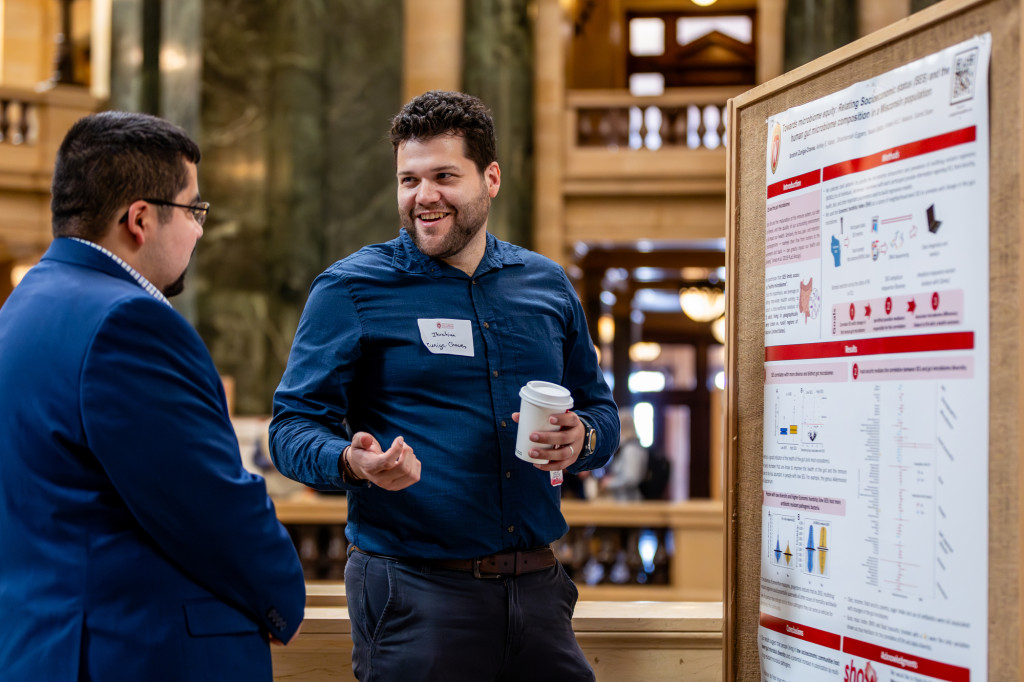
point(133, 544)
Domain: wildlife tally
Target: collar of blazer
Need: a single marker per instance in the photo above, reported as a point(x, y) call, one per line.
point(135, 274)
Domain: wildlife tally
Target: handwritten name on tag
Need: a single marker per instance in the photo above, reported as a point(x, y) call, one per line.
point(447, 337)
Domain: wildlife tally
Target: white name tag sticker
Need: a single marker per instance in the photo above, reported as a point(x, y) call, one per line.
point(447, 337)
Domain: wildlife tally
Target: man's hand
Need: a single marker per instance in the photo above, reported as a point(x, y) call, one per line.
point(392, 469)
point(567, 442)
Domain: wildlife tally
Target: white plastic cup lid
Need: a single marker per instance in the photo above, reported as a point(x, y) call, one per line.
point(546, 394)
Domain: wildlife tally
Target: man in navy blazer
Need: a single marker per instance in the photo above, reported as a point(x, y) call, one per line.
point(133, 544)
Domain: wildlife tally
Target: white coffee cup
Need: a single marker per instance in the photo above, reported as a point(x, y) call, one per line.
point(540, 400)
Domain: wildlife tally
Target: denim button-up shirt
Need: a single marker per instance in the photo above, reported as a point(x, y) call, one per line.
point(365, 356)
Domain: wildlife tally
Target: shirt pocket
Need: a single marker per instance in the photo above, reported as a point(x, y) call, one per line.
point(536, 341)
point(212, 617)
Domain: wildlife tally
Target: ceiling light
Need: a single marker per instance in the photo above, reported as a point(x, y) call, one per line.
point(702, 304)
point(605, 329)
point(703, 3)
point(646, 381)
point(644, 351)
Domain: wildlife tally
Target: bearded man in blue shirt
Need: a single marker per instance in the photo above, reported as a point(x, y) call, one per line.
point(450, 575)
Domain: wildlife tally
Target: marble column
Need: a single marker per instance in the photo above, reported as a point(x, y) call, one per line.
point(179, 88)
point(364, 84)
point(156, 59)
point(296, 102)
point(181, 61)
point(155, 67)
point(168, 82)
point(498, 68)
point(816, 27)
point(125, 55)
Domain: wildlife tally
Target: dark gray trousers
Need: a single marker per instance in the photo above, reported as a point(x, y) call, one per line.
point(413, 622)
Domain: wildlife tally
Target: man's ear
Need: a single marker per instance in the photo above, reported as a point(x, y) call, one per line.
point(140, 214)
point(492, 176)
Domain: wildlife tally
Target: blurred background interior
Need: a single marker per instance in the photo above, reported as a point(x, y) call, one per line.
point(611, 125)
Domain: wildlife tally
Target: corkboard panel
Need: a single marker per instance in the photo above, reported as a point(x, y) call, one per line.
point(924, 33)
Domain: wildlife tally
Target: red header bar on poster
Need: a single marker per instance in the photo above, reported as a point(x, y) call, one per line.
point(900, 153)
point(793, 184)
point(908, 662)
point(890, 344)
point(808, 634)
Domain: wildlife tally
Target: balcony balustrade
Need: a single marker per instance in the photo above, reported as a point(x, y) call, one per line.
point(18, 122)
point(668, 144)
point(32, 125)
point(692, 118)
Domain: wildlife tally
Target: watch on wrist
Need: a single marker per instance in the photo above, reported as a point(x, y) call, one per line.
point(589, 439)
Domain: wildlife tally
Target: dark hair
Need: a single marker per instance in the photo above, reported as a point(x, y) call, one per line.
point(111, 159)
point(448, 113)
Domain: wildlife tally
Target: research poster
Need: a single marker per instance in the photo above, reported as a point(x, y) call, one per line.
point(874, 518)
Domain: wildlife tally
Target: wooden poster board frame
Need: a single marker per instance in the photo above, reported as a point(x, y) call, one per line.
point(924, 33)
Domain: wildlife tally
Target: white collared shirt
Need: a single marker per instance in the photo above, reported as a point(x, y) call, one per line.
point(136, 275)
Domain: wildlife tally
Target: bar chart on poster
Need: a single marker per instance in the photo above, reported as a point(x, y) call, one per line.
point(876, 318)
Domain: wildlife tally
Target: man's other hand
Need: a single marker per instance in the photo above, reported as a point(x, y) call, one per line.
point(393, 469)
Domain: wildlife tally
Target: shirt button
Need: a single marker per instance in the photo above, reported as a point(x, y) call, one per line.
point(511, 529)
point(508, 474)
point(486, 326)
point(503, 423)
point(494, 373)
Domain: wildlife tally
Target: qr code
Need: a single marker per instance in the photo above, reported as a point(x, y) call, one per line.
point(965, 68)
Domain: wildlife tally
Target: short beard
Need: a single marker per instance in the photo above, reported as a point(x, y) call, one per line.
point(175, 287)
point(469, 220)
point(178, 285)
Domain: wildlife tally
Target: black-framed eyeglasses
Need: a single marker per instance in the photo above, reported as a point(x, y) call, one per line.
point(198, 211)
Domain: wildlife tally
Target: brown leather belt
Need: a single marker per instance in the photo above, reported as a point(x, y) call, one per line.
point(512, 563)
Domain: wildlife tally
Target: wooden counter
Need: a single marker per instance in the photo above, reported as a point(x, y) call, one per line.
point(649, 641)
point(697, 527)
point(691, 515)
point(311, 508)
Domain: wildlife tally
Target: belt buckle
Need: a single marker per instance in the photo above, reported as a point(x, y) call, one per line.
point(480, 576)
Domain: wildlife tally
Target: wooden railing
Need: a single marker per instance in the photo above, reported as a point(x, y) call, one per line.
point(18, 121)
point(38, 119)
point(620, 145)
point(659, 551)
point(692, 118)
